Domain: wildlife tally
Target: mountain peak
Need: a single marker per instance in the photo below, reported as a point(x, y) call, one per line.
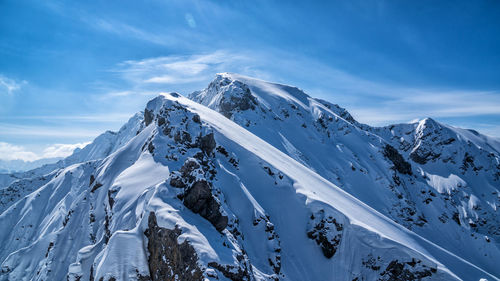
point(281, 175)
point(235, 94)
point(242, 91)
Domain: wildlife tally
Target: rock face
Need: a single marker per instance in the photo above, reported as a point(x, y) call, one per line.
point(399, 162)
point(199, 199)
point(148, 117)
point(207, 143)
point(234, 96)
point(406, 271)
point(169, 260)
point(232, 272)
point(242, 102)
point(326, 231)
point(427, 146)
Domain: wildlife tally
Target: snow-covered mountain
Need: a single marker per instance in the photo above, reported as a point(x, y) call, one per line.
point(251, 180)
point(13, 166)
point(16, 185)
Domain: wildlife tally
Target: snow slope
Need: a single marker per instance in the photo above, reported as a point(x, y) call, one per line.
point(451, 200)
point(16, 185)
point(250, 181)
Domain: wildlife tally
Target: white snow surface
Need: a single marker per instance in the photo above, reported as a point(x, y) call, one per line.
point(285, 168)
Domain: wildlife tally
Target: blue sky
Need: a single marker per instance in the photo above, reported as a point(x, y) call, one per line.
point(69, 71)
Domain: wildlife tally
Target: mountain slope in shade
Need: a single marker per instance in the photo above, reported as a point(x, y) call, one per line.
point(252, 180)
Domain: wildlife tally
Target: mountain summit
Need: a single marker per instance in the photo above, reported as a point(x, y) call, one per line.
point(252, 180)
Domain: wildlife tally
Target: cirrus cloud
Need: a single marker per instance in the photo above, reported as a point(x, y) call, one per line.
point(9, 86)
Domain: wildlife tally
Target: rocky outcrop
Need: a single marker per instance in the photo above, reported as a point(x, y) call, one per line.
point(232, 272)
point(207, 143)
point(397, 160)
point(397, 269)
point(148, 117)
point(169, 260)
point(235, 96)
point(235, 103)
point(187, 174)
point(326, 231)
point(406, 271)
point(199, 199)
point(421, 155)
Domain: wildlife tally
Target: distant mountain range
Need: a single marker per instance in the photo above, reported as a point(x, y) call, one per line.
point(252, 180)
point(12, 166)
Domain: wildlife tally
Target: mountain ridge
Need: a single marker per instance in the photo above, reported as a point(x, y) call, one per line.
point(245, 178)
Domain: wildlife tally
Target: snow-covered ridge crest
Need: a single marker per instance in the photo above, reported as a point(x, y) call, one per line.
point(231, 93)
point(258, 185)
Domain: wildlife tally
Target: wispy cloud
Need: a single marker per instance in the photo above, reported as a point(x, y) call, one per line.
point(9, 86)
point(13, 130)
point(190, 20)
point(180, 69)
point(373, 102)
point(16, 152)
point(95, 118)
point(127, 30)
point(402, 105)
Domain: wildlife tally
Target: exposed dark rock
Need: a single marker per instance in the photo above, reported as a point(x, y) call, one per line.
point(161, 121)
point(371, 263)
point(66, 218)
point(448, 141)
point(91, 278)
point(148, 117)
point(151, 147)
point(467, 162)
point(398, 271)
point(92, 179)
point(242, 102)
point(169, 260)
point(51, 244)
point(177, 182)
point(107, 231)
point(189, 166)
point(222, 151)
point(111, 197)
point(456, 218)
point(397, 160)
point(196, 118)
point(207, 143)
point(185, 176)
point(422, 154)
point(199, 199)
point(96, 186)
point(183, 137)
point(232, 272)
point(327, 233)
point(269, 171)
point(143, 277)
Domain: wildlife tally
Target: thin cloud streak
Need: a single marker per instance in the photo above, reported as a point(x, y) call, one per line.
point(387, 102)
point(180, 69)
point(40, 131)
point(97, 118)
point(9, 86)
